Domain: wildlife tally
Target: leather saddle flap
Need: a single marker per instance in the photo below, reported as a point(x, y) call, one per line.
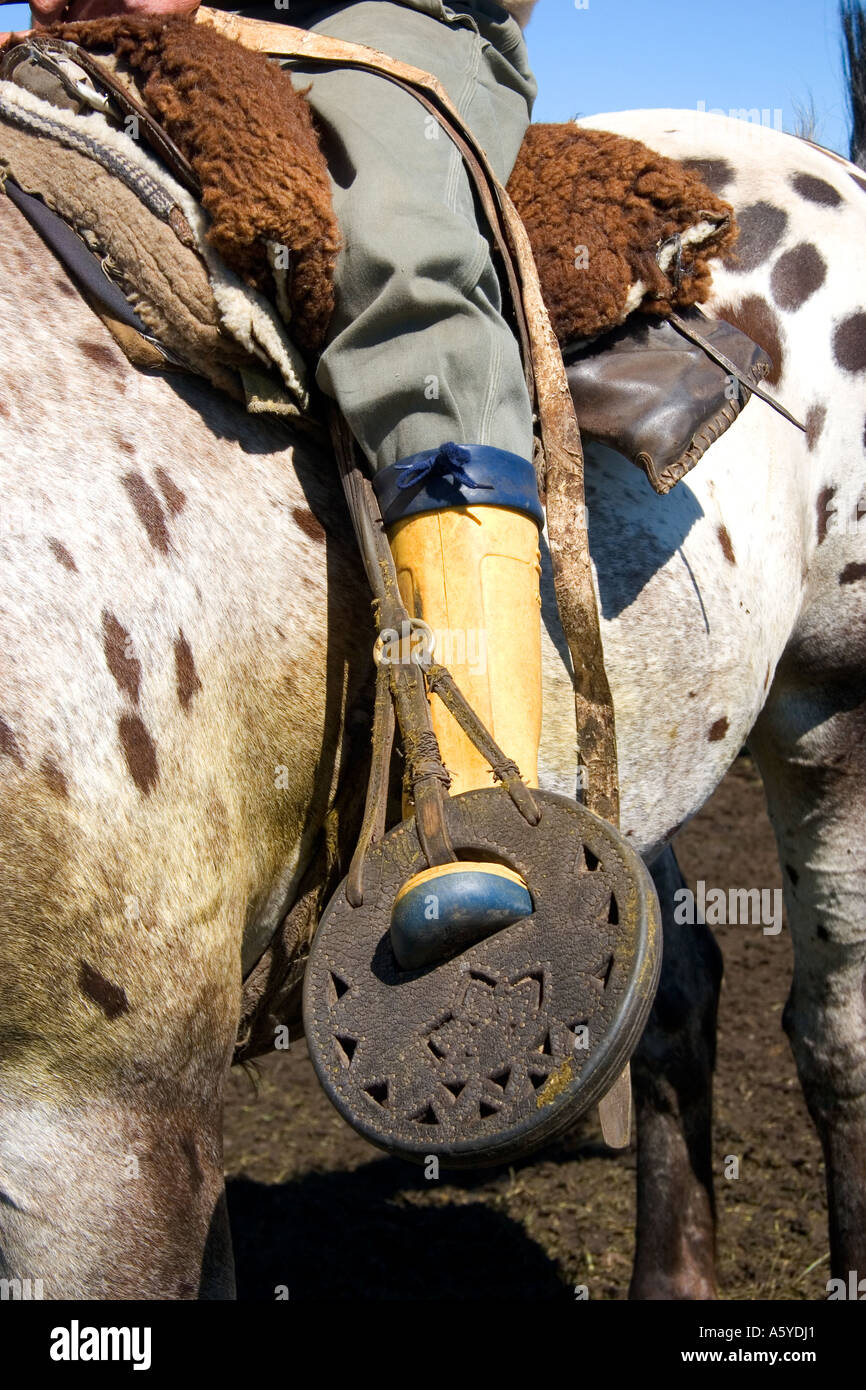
point(654, 396)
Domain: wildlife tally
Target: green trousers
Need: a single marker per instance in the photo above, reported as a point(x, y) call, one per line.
point(418, 352)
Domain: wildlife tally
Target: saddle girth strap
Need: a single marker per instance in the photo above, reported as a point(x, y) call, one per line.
point(560, 465)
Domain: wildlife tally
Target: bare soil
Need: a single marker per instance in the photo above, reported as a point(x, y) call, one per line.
point(316, 1209)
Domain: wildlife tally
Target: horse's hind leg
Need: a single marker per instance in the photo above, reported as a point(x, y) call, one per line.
point(672, 1070)
point(112, 1197)
point(810, 744)
point(116, 1030)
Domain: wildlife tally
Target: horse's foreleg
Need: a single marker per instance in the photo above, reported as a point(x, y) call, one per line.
point(672, 1069)
point(810, 747)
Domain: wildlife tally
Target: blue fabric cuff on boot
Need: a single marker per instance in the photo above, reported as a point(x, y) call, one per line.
point(457, 475)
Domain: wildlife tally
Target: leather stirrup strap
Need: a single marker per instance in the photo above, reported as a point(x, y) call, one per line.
point(689, 331)
point(561, 473)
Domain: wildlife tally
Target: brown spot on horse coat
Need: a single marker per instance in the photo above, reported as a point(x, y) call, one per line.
point(100, 354)
point(726, 544)
point(175, 498)
point(188, 1145)
point(54, 777)
point(119, 657)
point(9, 744)
point(761, 228)
point(715, 173)
point(148, 510)
point(814, 423)
point(816, 190)
point(796, 275)
point(61, 554)
point(859, 180)
point(758, 321)
point(308, 523)
point(824, 511)
point(849, 343)
point(188, 683)
point(718, 730)
point(139, 751)
point(851, 573)
point(110, 998)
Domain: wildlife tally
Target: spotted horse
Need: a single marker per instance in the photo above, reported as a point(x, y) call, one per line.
point(183, 639)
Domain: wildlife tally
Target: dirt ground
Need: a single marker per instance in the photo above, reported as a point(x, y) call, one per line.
point(318, 1210)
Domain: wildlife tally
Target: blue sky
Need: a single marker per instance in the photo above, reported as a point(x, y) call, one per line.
point(616, 55)
point(610, 55)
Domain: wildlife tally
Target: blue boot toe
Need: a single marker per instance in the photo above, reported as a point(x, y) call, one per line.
point(448, 908)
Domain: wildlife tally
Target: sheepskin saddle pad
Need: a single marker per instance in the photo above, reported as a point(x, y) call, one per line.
point(614, 228)
point(223, 247)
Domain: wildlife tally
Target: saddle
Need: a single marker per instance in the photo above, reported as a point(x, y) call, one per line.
point(622, 238)
point(124, 210)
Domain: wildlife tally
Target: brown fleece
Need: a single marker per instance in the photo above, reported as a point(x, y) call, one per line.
point(250, 139)
point(579, 188)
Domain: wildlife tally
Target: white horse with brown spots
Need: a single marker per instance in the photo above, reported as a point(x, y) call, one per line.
point(183, 633)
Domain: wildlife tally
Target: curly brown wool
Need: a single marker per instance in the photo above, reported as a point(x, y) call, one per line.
point(250, 139)
point(588, 188)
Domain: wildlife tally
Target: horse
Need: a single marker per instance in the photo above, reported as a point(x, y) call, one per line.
point(186, 647)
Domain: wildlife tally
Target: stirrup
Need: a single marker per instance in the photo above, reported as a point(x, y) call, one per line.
point(485, 1056)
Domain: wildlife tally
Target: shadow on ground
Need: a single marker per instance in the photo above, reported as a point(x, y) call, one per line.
point(359, 1234)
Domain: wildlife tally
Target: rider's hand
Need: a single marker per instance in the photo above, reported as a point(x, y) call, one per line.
point(49, 11)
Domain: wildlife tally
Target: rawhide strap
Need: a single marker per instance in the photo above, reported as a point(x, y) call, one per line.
point(560, 465)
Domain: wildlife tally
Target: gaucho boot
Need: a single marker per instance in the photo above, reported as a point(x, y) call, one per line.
point(463, 524)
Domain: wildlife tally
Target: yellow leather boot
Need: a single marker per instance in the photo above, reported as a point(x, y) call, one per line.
point(463, 524)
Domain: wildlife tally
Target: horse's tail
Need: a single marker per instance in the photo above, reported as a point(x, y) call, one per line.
point(853, 18)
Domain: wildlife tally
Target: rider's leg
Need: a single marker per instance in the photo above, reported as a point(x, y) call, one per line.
point(420, 356)
point(418, 350)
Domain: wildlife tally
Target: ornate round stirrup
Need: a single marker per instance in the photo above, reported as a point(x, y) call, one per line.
point(484, 1056)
